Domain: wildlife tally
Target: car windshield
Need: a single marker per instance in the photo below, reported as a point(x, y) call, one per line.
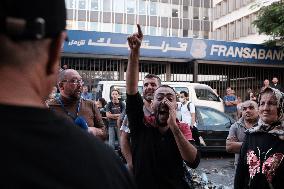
point(212, 117)
point(205, 94)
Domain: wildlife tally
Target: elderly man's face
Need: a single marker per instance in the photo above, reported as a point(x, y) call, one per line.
point(161, 110)
point(149, 87)
point(72, 85)
point(268, 108)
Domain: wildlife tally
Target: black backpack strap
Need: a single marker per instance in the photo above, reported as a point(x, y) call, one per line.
point(188, 106)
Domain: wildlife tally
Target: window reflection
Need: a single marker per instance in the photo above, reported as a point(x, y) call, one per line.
point(118, 6)
point(107, 5)
point(82, 4)
point(95, 5)
point(142, 7)
point(131, 6)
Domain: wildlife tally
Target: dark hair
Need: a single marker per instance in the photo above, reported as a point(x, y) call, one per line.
point(185, 93)
point(115, 90)
point(166, 86)
point(103, 101)
point(150, 76)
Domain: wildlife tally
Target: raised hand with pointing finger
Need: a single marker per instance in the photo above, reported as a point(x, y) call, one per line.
point(134, 40)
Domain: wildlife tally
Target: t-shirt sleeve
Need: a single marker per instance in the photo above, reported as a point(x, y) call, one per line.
point(232, 131)
point(192, 108)
point(185, 129)
point(108, 107)
point(134, 111)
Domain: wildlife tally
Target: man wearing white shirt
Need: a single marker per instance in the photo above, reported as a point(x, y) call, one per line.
point(187, 109)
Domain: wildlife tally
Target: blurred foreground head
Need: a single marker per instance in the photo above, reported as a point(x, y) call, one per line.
point(31, 36)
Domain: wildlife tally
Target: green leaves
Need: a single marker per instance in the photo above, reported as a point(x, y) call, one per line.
point(271, 22)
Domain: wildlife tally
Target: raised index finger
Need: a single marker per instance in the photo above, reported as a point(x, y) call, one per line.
point(140, 34)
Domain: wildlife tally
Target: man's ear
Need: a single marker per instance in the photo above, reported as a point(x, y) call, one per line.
point(60, 85)
point(55, 54)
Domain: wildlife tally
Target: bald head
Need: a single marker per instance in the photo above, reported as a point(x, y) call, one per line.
point(249, 110)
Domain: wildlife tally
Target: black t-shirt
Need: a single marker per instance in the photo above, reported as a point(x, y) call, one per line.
point(157, 162)
point(42, 150)
point(260, 162)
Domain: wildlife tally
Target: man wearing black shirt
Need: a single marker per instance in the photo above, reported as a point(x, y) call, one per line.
point(158, 144)
point(38, 148)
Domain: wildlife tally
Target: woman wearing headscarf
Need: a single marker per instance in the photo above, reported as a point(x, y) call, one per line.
point(261, 164)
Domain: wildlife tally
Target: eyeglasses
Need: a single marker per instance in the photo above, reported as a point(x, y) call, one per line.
point(74, 81)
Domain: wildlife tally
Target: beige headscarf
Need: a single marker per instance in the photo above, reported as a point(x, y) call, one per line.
point(276, 128)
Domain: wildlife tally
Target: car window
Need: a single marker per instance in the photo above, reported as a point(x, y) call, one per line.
point(122, 91)
point(212, 117)
point(179, 89)
point(206, 94)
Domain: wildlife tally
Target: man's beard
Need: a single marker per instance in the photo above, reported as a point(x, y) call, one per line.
point(75, 95)
point(148, 97)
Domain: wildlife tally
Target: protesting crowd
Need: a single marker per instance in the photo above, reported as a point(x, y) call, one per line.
point(69, 140)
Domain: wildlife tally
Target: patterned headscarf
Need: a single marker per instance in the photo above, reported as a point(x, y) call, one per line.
point(276, 128)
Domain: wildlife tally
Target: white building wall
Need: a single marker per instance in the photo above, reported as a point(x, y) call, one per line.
point(232, 20)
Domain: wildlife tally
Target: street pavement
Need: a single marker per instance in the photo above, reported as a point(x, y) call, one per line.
point(215, 171)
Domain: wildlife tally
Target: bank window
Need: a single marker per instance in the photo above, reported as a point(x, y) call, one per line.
point(81, 25)
point(82, 4)
point(95, 5)
point(238, 28)
point(206, 35)
point(205, 14)
point(107, 5)
point(218, 10)
point(70, 24)
point(185, 33)
point(118, 28)
point(93, 26)
point(231, 31)
point(185, 12)
point(70, 4)
point(231, 5)
point(164, 10)
point(118, 6)
point(224, 7)
point(142, 7)
point(164, 32)
point(238, 4)
point(153, 8)
point(195, 13)
point(152, 30)
point(131, 6)
point(195, 34)
point(174, 13)
point(130, 29)
point(245, 24)
point(175, 32)
point(106, 27)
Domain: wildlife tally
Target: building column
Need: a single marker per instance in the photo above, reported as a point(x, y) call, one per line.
point(121, 71)
point(168, 72)
point(195, 71)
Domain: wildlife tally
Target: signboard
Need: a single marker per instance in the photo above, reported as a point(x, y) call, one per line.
point(104, 43)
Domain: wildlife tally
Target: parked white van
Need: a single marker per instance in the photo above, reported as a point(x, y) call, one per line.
point(199, 94)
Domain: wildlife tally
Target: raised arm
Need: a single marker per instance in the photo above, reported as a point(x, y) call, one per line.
point(134, 42)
